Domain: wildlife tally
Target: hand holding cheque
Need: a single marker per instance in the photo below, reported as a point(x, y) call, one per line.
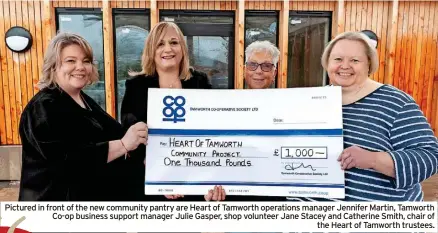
point(136, 135)
point(243, 141)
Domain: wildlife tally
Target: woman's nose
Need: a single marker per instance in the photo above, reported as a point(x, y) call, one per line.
point(259, 69)
point(345, 65)
point(80, 65)
point(167, 47)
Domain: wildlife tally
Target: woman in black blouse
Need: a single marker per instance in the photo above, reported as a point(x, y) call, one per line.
point(165, 64)
point(72, 149)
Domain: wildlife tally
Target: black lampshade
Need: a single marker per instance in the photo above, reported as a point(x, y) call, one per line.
point(18, 39)
point(371, 35)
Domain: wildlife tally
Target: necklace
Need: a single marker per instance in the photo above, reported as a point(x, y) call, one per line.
point(172, 84)
point(359, 89)
point(85, 103)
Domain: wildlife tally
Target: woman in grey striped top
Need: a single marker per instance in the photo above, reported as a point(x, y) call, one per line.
point(389, 147)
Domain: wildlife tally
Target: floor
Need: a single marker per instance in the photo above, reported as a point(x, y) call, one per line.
point(9, 190)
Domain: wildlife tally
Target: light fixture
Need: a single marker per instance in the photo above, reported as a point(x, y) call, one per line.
point(18, 39)
point(372, 35)
point(295, 21)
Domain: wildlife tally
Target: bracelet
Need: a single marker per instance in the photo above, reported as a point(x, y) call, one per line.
point(126, 154)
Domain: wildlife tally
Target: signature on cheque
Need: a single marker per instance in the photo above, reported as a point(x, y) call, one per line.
point(292, 167)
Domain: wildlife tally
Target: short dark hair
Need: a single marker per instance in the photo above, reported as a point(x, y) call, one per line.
point(372, 35)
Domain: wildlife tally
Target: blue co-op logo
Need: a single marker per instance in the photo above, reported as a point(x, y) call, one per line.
point(174, 110)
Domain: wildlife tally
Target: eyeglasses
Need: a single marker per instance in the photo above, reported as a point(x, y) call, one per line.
point(266, 67)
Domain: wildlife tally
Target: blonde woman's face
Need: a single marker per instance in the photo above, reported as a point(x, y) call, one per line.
point(168, 55)
point(348, 63)
point(75, 70)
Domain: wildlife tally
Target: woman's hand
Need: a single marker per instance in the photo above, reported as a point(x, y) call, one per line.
point(174, 196)
point(216, 194)
point(137, 134)
point(355, 156)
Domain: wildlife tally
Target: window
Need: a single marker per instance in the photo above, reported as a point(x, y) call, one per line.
point(210, 40)
point(259, 26)
point(309, 32)
point(131, 27)
point(88, 24)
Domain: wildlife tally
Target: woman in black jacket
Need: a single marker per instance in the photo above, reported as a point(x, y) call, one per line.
point(165, 64)
point(72, 149)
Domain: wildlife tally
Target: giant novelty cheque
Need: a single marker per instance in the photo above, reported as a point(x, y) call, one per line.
point(269, 142)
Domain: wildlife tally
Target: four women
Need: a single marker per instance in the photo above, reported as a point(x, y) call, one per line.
point(73, 150)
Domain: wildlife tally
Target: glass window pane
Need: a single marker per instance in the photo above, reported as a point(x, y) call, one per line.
point(208, 41)
point(89, 26)
point(307, 39)
point(261, 27)
point(209, 54)
point(131, 31)
point(258, 28)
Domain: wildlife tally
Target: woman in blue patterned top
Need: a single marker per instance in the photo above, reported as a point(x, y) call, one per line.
point(389, 147)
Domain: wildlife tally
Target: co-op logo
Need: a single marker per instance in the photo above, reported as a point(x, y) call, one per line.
point(174, 110)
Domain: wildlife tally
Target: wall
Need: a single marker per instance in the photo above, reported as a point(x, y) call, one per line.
point(408, 45)
point(19, 72)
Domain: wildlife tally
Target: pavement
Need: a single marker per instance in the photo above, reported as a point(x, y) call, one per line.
point(9, 190)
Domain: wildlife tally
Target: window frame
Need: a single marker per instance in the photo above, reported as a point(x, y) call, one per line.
point(261, 13)
point(78, 11)
point(317, 14)
point(231, 35)
point(125, 11)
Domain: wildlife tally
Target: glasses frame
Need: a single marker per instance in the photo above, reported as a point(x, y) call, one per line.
point(261, 66)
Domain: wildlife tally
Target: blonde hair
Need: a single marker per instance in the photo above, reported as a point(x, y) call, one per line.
point(150, 47)
point(370, 50)
point(52, 58)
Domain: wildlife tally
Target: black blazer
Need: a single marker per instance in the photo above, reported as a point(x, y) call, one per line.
point(133, 110)
point(65, 150)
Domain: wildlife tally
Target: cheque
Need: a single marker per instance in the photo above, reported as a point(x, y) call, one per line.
point(269, 142)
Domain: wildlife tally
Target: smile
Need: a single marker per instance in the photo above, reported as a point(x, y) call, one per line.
point(79, 76)
point(258, 79)
point(168, 57)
